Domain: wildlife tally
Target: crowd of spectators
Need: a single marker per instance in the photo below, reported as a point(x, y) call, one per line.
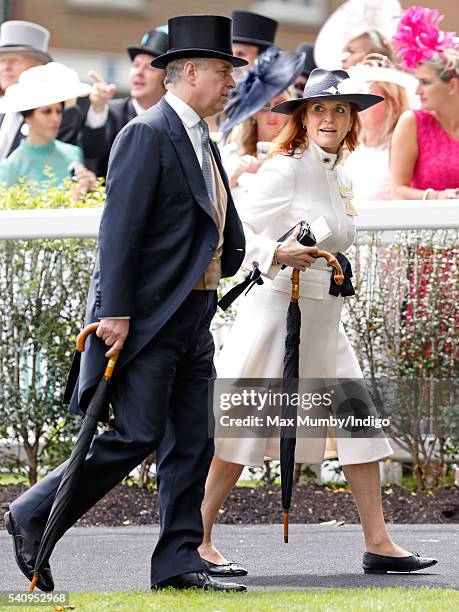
point(409, 144)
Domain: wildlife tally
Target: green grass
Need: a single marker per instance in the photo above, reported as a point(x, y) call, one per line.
point(8, 478)
point(339, 600)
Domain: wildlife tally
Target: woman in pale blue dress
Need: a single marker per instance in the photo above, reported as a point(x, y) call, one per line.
point(40, 95)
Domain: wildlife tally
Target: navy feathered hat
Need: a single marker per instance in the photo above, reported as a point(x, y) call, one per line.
point(271, 74)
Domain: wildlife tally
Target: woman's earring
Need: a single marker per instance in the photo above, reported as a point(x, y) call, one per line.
point(25, 129)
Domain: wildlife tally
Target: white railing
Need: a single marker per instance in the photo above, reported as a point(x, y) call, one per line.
point(372, 216)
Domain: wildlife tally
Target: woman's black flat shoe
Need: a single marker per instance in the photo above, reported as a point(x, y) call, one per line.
point(224, 570)
point(380, 564)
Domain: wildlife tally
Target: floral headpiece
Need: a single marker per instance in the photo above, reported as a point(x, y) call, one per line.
point(418, 36)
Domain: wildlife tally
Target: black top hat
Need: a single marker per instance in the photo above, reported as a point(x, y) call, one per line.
point(253, 29)
point(328, 85)
point(153, 43)
point(199, 36)
point(273, 71)
point(309, 63)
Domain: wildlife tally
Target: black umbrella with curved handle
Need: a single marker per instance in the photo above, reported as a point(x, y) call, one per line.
point(70, 478)
point(290, 383)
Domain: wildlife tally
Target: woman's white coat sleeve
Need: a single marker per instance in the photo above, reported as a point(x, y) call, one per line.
point(269, 195)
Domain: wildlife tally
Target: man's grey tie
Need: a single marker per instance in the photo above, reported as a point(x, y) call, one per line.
point(206, 163)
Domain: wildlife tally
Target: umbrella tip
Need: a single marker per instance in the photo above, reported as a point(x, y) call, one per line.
point(33, 584)
point(286, 527)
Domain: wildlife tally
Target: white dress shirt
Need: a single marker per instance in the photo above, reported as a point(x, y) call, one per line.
point(190, 120)
point(96, 120)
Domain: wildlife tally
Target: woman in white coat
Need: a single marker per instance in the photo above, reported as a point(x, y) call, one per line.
point(302, 180)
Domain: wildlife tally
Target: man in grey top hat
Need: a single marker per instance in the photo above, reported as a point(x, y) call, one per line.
point(24, 44)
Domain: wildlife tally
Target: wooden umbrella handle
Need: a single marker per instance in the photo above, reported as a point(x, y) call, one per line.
point(84, 333)
point(295, 278)
point(80, 346)
point(334, 263)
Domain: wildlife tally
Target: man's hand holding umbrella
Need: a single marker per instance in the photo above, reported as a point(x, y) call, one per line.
point(114, 333)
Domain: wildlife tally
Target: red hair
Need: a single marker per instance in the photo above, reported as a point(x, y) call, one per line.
point(294, 137)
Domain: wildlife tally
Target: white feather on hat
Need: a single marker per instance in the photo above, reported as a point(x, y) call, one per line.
point(373, 74)
point(352, 19)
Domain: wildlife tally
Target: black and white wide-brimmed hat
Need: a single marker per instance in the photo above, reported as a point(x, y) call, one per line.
point(331, 85)
point(199, 36)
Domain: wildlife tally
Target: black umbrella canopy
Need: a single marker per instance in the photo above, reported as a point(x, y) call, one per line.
point(56, 524)
point(290, 377)
point(290, 386)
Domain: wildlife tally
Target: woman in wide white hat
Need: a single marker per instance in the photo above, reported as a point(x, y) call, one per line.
point(40, 95)
point(302, 180)
point(355, 29)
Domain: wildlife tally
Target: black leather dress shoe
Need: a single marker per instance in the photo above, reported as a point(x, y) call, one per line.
point(224, 569)
point(380, 564)
point(198, 580)
point(25, 551)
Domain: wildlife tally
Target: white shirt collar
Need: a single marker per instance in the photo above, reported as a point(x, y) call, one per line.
point(139, 109)
point(187, 114)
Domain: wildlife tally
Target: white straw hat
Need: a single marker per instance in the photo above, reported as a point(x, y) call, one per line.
point(42, 86)
point(387, 74)
point(352, 19)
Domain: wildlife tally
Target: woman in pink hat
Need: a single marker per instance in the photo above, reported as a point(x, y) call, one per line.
point(425, 147)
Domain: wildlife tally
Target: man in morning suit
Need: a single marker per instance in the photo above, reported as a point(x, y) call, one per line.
point(106, 118)
point(168, 233)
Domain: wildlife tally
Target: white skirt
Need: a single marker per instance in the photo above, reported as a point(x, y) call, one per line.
point(254, 348)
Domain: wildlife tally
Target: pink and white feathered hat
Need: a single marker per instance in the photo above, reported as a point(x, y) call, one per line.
point(418, 36)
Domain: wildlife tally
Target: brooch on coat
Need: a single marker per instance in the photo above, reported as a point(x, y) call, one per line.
point(346, 194)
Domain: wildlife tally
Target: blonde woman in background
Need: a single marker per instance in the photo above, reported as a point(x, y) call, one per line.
point(369, 165)
point(425, 149)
